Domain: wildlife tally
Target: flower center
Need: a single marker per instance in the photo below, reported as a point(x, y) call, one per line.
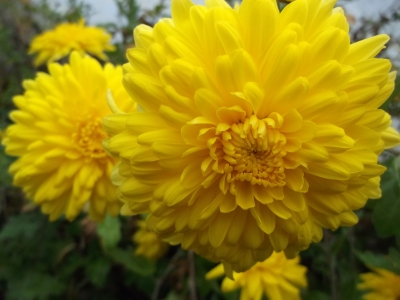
point(88, 138)
point(252, 151)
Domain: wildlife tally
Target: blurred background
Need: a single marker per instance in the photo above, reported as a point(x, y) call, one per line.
point(86, 260)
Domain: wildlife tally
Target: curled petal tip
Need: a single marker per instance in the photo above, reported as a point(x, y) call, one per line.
point(111, 103)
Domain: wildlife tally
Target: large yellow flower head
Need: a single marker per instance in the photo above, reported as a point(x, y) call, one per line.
point(277, 277)
point(57, 135)
point(148, 243)
point(55, 44)
point(382, 285)
point(259, 127)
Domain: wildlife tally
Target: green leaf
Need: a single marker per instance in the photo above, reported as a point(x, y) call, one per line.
point(315, 295)
point(390, 262)
point(348, 285)
point(138, 265)
point(339, 241)
point(386, 214)
point(97, 270)
point(22, 226)
point(204, 286)
point(394, 257)
point(173, 296)
point(34, 285)
point(109, 231)
point(398, 240)
point(5, 161)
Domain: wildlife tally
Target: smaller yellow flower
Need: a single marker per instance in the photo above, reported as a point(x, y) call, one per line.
point(55, 44)
point(148, 244)
point(57, 138)
point(382, 285)
point(277, 277)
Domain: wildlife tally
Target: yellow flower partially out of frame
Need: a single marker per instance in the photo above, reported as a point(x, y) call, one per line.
point(57, 136)
point(59, 42)
point(259, 127)
point(277, 277)
point(148, 243)
point(382, 285)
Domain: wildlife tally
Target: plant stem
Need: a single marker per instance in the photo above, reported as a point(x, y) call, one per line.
point(192, 276)
point(331, 259)
point(164, 275)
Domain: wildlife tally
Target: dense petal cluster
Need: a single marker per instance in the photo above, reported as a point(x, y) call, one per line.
point(58, 137)
point(148, 243)
point(57, 43)
point(382, 285)
point(277, 277)
point(259, 127)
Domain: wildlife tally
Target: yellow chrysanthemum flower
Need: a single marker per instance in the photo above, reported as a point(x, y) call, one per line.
point(57, 43)
point(259, 127)
point(148, 244)
point(277, 277)
point(57, 135)
point(383, 285)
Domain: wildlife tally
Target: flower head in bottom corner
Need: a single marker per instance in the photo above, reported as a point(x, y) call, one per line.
point(57, 136)
point(277, 277)
point(381, 285)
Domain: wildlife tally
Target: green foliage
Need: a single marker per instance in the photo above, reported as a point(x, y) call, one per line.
point(109, 231)
point(386, 213)
point(24, 254)
point(97, 269)
point(41, 260)
point(138, 265)
point(389, 262)
point(129, 10)
point(5, 161)
point(315, 295)
point(34, 285)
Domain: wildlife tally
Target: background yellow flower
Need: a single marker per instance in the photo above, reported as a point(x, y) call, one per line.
point(59, 42)
point(57, 136)
point(277, 277)
point(259, 127)
point(381, 285)
point(148, 244)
